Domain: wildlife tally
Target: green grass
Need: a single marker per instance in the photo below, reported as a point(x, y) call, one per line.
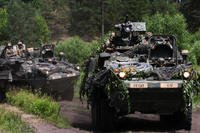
point(197, 68)
point(78, 85)
point(37, 104)
point(12, 123)
point(196, 101)
point(196, 98)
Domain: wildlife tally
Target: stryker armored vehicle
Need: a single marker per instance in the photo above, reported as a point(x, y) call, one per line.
point(150, 76)
point(46, 72)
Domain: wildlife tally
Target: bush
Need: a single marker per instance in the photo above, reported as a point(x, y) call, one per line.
point(169, 24)
point(76, 50)
point(195, 37)
point(21, 21)
point(37, 104)
point(3, 19)
point(42, 29)
point(194, 52)
point(12, 123)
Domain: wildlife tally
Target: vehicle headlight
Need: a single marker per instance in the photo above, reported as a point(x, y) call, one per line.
point(47, 72)
point(116, 71)
point(186, 74)
point(122, 75)
point(78, 67)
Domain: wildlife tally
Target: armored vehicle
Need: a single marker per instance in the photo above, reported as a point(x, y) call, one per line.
point(150, 76)
point(47, 73)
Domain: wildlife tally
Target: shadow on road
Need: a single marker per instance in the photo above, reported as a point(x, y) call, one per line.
point(135, 124)
point(79, 117)
point(140, 124)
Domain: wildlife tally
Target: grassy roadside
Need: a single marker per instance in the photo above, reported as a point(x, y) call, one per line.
point(196, 99)
point(12, 123)
point(197, 68)
point(37, 104)
point(78, 85)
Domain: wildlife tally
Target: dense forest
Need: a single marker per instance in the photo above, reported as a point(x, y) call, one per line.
point(40, 21)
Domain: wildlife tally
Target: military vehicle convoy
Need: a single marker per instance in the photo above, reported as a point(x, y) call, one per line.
point(52, 75)
point(138, 72)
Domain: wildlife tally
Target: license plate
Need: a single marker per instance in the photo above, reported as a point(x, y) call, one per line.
point(169, 85)
point(138, 85)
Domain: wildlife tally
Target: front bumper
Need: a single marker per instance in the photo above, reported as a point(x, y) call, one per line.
point(172, 84)
point(157, 97)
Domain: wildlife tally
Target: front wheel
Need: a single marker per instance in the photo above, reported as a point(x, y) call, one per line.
point(3, 89)
point(103, 116)
point(185, 117)
point(2, 96)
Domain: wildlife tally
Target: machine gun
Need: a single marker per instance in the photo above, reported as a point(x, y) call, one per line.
point(128, 33)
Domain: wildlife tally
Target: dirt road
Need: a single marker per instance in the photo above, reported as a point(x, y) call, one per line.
point(79, 116)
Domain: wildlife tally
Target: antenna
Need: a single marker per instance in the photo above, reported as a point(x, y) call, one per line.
point(126, 18)
point(102, 18)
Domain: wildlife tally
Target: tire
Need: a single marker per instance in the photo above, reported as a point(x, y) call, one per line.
point(182, 117)
point(166, 118)
point(103, 117)
point(188, 118)
point(2, 96)
point(185, 117)
point(4, 87)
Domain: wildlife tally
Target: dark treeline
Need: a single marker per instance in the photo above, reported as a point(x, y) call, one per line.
point(37, 21)
point(85, 15)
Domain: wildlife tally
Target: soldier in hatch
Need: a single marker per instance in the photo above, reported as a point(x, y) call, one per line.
point(21, 49)
point(9, 50)
point(126, 34)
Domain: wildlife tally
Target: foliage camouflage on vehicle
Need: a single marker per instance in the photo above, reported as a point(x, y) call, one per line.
point(39, 69)
point(138, 71)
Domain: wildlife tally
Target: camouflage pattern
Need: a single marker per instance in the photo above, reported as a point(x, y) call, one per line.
point(46, 72)
point(137, 72)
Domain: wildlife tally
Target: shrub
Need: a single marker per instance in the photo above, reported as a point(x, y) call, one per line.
point(3, 19)
point(194, 52)
point(76, 50)
point(12, 123)
point(195, 37)
point(169, 24)
point(24, 23)
point(42, 29)
point(37, 104)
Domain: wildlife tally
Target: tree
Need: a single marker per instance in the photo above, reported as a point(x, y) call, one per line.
point(56, 14)
point(3, 19)
point(76, 50)
point(3, 3)
point(116, 10)
point(25, 25)
point(191, 11)
point(86, 15)
point(42, 29)
point(195, 56)
point(162, 6)
point(3, 24)
point(169, 24)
